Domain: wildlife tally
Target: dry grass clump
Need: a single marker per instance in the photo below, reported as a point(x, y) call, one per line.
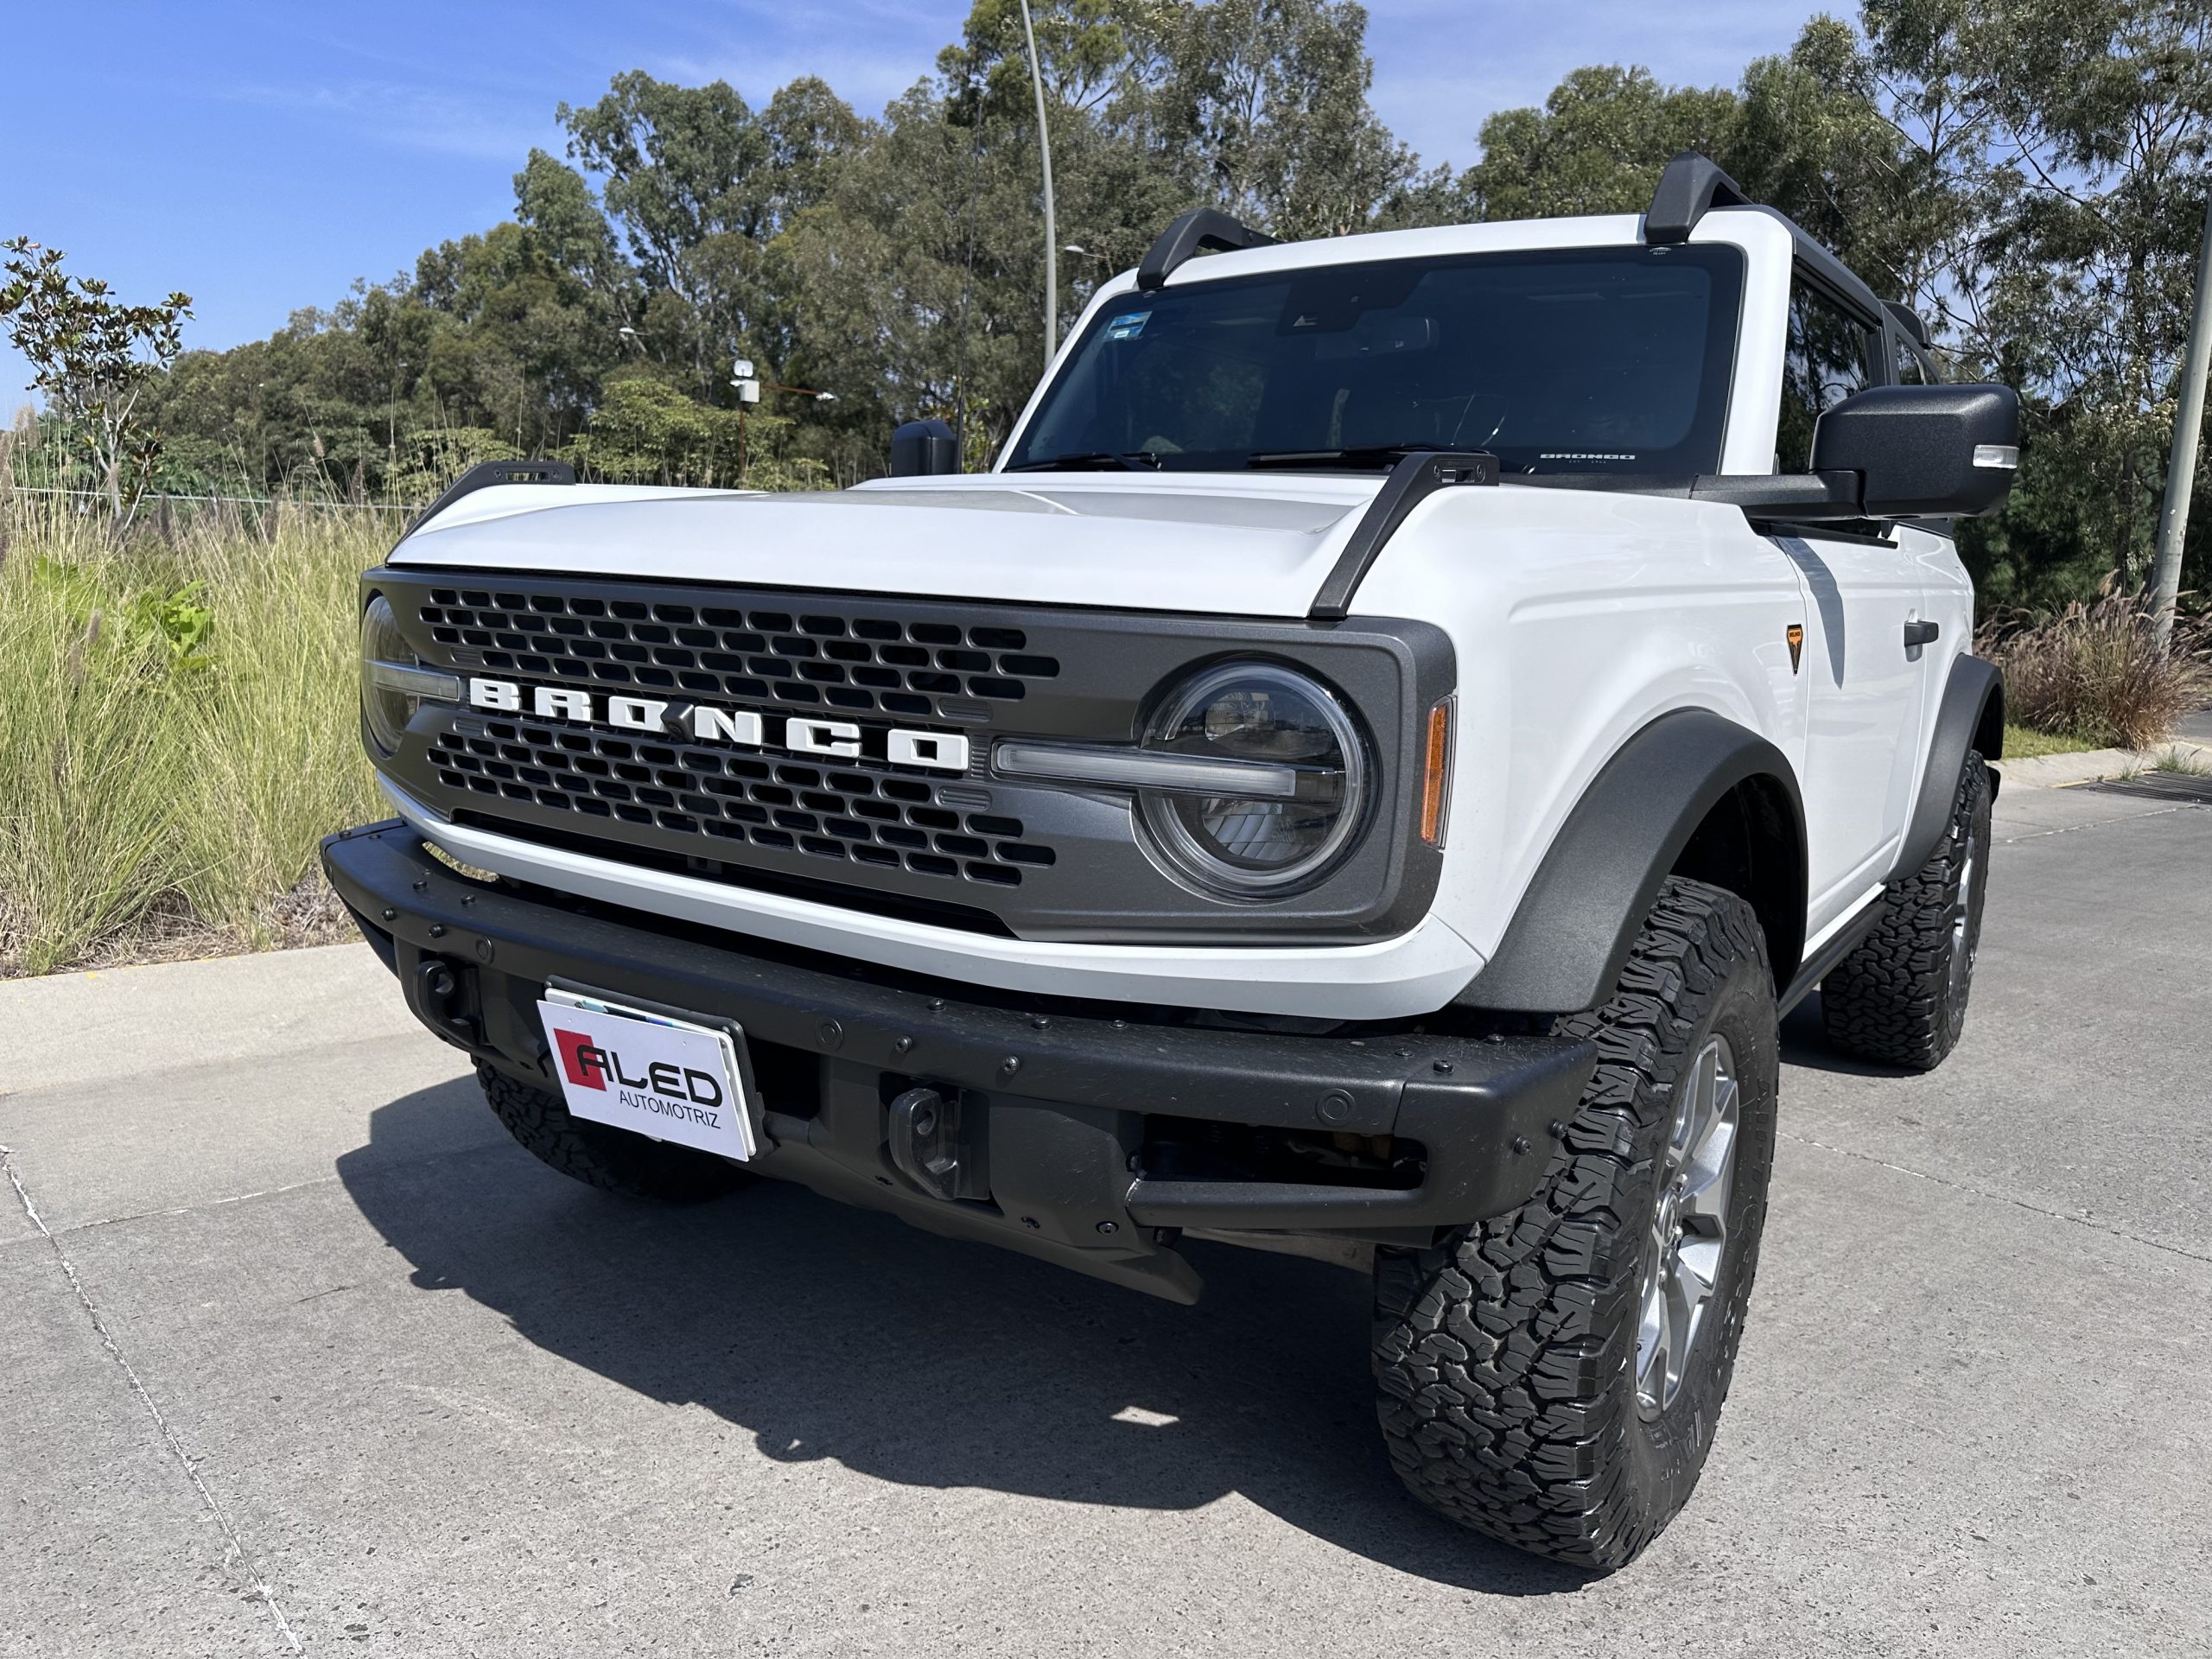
point(177, 730)
point(2096, 672)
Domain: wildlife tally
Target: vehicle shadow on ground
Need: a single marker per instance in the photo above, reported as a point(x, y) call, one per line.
point(830, 1332)
point(1805, 1043)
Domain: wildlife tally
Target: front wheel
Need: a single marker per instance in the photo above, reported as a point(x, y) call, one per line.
point(598, 1154)
point(1553, 1377)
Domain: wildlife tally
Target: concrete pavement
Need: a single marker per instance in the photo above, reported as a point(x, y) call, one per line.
point(298, 1352)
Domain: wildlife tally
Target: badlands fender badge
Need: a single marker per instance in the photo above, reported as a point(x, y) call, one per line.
point(1796, 635)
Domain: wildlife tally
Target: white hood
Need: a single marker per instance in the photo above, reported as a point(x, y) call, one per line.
point(1230, 543)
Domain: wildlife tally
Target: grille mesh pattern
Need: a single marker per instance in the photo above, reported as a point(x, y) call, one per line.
point(842, 658)
point(861, 816)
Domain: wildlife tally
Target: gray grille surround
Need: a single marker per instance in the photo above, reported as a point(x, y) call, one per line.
point(1025, 857)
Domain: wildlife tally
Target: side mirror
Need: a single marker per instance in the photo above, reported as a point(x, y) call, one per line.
point(1924, 452)
point(923, 449)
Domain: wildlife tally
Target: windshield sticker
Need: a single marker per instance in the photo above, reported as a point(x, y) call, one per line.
point(1127, 326)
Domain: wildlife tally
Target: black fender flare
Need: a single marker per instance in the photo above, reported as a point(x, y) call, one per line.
point(1565, 946)
point(1970, 717)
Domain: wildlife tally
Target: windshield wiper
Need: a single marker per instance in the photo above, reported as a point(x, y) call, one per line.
point(1378, 454)
point(1134, 460)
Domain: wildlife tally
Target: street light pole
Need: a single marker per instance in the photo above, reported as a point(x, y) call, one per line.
point(2181, 465)
point(1045, 155)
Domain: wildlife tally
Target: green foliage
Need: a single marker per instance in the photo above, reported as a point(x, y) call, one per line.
point(93, 357)
point(646, 432)
point(431, 457)
point(156, 795)
point(2072, 139)
point(176, 625)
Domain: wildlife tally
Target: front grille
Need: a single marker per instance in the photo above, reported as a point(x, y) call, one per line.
point(850, 658)
point(974, 850)
point(867, 818)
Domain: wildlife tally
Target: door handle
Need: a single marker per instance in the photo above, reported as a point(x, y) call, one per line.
point(1921, 633)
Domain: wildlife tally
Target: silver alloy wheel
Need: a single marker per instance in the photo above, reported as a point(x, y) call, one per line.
point(1962, 948)
point(1689, 1224)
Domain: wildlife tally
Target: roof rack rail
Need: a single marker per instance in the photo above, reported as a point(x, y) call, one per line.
point(485, 474)
point(1200, 228)
point(1692, 186)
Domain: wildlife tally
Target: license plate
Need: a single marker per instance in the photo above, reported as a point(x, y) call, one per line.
point(664, 1078)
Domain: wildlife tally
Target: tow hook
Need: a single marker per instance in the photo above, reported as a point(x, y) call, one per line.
point(926, 1145)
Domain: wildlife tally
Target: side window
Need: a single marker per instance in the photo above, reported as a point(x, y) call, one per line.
point(1830, 350)
point(1907, 370)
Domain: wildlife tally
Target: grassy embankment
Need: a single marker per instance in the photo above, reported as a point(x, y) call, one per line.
point(177, 728)
point(2024, 743)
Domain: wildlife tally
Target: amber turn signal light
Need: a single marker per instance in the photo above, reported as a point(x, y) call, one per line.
point(1436, 776)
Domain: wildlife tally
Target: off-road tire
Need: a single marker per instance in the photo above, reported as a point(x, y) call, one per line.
point(1505, 1358)
point(598, 1155)
point(1900, 996)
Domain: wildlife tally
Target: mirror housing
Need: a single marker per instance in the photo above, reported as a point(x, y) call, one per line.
point(1892, 451)
point(1924, 452)
point(923, 449)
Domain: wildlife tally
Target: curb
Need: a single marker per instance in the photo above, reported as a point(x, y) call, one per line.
point(2093, 765)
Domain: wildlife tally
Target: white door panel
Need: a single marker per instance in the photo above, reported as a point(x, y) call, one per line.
point(1867, 700)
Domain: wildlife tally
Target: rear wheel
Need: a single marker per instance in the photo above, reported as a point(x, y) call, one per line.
point(1900, 997)
point(1553, 1377)
point(598, 1155)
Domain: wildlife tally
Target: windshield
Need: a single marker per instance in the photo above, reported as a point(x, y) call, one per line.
point(1596, 360)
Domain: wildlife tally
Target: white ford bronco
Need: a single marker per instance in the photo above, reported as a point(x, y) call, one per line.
point(1362, 775)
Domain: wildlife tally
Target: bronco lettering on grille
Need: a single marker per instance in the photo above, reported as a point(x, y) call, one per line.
point(702, 723)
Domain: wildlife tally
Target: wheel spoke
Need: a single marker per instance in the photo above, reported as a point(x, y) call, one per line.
point(1689, 1221)
point(1698, 1263)
point(1652, 1344)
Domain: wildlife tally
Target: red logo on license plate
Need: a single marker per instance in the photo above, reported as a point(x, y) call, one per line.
point(583, 1061)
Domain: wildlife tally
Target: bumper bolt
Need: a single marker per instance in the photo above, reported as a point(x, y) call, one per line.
point(389, 914)
point(1011, 1064)
point(1038, 1022)
point(1031, 1222)
point(902, 1046)
point(483, 950)
point(1335, 1107)
point(1110, 1228)
point(1521, 1143)
point(1443, 1067)
point(830, 1032)
point(937, 1005)
point(437, 930)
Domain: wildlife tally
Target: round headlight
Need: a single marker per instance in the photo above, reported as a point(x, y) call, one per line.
point(385, 708)
point(1310, 780)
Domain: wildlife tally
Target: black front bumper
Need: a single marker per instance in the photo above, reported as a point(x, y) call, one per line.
point(1095, 1131)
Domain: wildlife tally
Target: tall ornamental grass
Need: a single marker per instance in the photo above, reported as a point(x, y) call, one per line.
point(2096, 672)
point(177, 729)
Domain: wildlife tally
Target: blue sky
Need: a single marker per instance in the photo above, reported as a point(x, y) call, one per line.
point(261, 156)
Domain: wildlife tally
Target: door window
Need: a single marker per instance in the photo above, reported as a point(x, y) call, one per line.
point(1830, 352)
